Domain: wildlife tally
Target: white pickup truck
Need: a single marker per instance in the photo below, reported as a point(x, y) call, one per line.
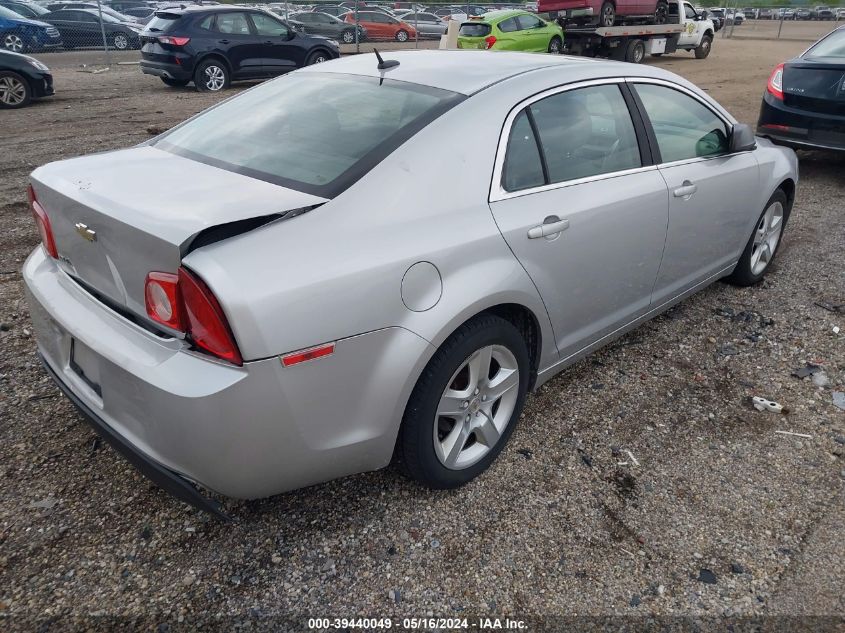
point(685, 29)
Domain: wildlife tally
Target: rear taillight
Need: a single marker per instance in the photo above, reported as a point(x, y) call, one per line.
point(184, 303)
point(173, 41)
point(775, 85)
point(43, 223)
point(490, 40)
point(163, 299)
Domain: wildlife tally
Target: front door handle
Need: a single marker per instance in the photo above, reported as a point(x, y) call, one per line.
point(685, 190)
point(552, 225)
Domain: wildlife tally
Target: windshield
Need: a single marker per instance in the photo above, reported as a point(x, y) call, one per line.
point(9, 14)
point(315, 132)
point(831, 46)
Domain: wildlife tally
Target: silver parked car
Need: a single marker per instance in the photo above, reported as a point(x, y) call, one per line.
point(426, 24)
point(273, 294)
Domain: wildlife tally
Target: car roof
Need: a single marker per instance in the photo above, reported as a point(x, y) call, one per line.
point(469, 71)
point(495, 16)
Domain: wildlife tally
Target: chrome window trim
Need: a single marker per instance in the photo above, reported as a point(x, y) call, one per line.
point(499, 193)
point(722, 116)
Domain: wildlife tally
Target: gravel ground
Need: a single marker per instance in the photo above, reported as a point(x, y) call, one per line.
point(719, 515)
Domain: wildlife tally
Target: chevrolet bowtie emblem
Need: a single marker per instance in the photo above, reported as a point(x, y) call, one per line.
point(85, 232)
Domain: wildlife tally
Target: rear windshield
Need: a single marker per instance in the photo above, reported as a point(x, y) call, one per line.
point(831, 46)
point(314, 132)
point(161, 22)
point(474, 29)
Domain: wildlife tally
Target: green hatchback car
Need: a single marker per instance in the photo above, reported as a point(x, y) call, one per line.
point(511, 30)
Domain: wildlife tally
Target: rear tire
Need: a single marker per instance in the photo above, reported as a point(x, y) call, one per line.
point(763, 244)
point(635, 52)
point(15, 91)
point(555, 45)
point(486, 408)
point(703, 48)
point(175, 83)
point(211, 75)
point(120, 41)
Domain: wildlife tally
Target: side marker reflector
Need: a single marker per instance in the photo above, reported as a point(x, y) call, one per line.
point(313, 353)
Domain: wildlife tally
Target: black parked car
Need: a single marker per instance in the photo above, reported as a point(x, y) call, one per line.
point(804, 103)
point(213, 46)
point(328, 25)
point(25, 8)
point(81, 27)
point(22, 79)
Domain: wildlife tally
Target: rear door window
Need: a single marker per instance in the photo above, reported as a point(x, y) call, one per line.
point(582, 133)
point(528, 22)
point(232, 23)
point(509, 26)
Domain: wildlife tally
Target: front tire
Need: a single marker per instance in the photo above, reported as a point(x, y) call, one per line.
point(763, 243)
point(348, 36)
point(401, 35)
point(555, 45)
point(465, 404)
point(15, 91)
point(607, 15)
point(211, 76)
point(317, 57)
point(703, 48)
point(14, 42)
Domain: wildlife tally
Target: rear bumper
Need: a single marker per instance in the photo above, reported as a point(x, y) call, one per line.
point(245, 432)
point(163, 69)
point(800, 129)
point(166, 479)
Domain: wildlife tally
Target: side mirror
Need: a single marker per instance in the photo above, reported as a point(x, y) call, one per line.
point(742, 138)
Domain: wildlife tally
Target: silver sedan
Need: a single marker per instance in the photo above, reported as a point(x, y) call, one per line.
point(282, 290)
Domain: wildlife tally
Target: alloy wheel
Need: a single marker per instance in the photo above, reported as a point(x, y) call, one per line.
point(476, 407)
point(402, 36)
point(608, 14)
point(121, 42)
point(12, 91)
point(215, 78)
point(766, 238)
point(348, 37)
point(554, 46)
point(13, 42)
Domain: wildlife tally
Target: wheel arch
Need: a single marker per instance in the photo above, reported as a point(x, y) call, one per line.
point(212, 55)
point(788, 188)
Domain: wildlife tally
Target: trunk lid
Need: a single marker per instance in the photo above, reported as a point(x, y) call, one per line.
point(119, 215)
point(815, 85)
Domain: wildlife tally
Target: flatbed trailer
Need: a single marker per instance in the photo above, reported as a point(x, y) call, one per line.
point(625, 43)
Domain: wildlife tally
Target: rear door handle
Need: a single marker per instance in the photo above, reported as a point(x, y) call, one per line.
point(550, 226)
point(223, 41)
point(685, 190)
